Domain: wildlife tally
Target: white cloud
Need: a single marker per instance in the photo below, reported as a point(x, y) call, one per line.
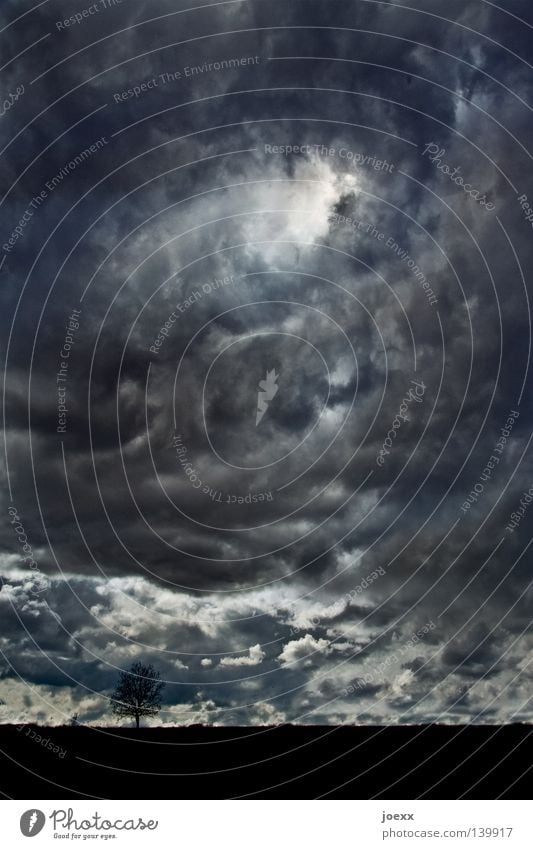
point(255, 656)
point(298, 649)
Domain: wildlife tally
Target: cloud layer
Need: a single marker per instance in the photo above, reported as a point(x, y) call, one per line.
point(322, 191)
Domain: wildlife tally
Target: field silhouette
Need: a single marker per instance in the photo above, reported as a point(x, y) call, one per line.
point(299, 762)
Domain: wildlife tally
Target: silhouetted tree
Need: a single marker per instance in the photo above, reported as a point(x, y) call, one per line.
point(138, 692)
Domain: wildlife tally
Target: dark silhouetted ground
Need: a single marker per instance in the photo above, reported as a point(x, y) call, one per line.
point(299, 762)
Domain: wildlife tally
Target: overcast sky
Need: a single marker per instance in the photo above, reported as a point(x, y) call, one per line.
point(314, 211)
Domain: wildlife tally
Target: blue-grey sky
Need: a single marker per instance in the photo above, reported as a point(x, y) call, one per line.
point(315, 210)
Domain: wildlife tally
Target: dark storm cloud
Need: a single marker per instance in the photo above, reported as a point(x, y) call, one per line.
point(340, 309)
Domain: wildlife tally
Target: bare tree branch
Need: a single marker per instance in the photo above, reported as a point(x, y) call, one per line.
point(138, 692)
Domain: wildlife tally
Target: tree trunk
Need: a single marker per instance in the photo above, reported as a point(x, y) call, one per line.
point(137, 721)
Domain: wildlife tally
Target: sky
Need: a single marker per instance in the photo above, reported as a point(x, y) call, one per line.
point(265, 320)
